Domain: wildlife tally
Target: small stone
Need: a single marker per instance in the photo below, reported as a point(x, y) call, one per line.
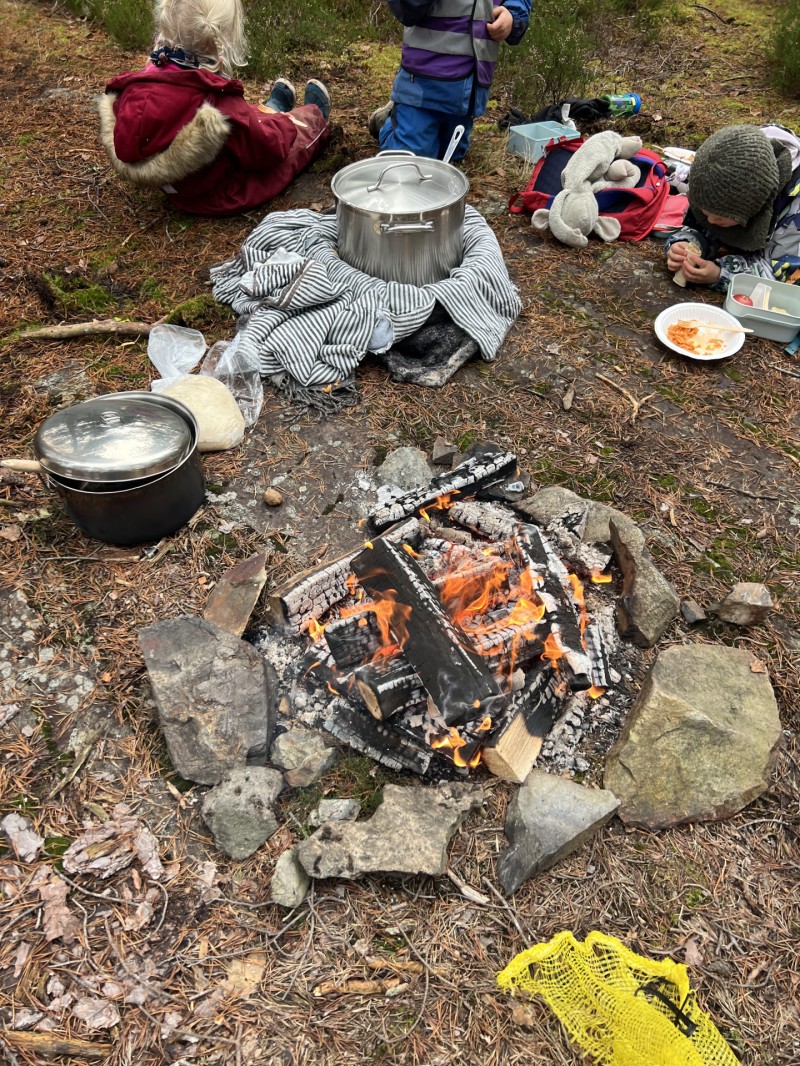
point(304, 756)
point(335, 810)
point(272, 498)
point(289, 881)
point(692, 612)
point(443, 452)
point(406, 468)
point(238, 811)
point(747, 604)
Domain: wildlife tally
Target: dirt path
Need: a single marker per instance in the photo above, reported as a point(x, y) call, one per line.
point(705, 457)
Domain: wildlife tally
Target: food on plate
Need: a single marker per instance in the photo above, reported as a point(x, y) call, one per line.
point(701, 340)
point(742, 299)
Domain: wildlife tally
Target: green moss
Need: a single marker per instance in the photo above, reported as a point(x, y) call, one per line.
point(75, 296)
point(201, 312)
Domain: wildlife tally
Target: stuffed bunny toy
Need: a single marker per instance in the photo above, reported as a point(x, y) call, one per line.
point(601, 162)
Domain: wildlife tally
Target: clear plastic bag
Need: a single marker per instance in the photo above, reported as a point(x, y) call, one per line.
point(225, 362)
point(174, 350)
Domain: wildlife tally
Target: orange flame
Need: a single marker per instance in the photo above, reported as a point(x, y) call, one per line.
point(368, 544)
point(333, 690)
point(407, 548)
point(312, 667)
point(599, 578)
point(441, 503)
point(485, 725)
point(594, 693)
point(392, 619)
point(475, 760)
point(552, 649)
point(453, 740)
point(315, 630)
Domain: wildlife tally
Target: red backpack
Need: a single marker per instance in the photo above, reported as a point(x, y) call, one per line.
point(638, 209)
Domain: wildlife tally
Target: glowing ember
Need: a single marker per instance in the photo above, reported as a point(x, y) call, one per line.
point(599, 578)
point(594, 693)
point(552, 649)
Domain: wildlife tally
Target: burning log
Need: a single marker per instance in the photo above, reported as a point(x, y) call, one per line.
point(512, 750)
point(353, 639)
point(556, 592)
point(370, 737)
point(389, 686)
point(486, 519)
point(309, 594)
point(457, 679)
point(470, 475)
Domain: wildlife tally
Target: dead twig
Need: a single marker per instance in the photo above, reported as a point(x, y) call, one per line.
point(356, 986)
point(700, 7)
point(785, 370)
point(742, 492)
point(52, 1047)
point(99, 327)
point(635, 404)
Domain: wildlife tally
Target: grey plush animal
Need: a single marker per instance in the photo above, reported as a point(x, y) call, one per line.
point(601, 162)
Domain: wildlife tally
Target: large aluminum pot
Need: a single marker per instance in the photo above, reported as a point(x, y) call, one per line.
point(125, 465)
point(400, 217)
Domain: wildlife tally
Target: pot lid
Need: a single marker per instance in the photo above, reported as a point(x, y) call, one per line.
point(399, 184)
point(113, 438)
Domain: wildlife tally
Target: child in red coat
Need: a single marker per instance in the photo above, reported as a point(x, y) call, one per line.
point(182, 122)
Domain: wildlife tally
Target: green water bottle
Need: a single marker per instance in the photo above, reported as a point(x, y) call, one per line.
point(623, 104)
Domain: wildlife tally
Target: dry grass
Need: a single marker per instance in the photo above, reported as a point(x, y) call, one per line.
point(708, 466)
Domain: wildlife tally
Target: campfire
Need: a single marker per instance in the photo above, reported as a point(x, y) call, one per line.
point(457, 634)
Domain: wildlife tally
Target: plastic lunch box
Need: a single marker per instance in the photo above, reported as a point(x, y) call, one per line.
point(766, 323)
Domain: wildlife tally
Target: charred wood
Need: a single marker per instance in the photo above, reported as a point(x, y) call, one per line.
point(466, 478)
point(456, 678)
point(486, 519)
point(353, 639)
point(556, 592)
point(309, 594)
point(365, 734)
point(596, 649)
point(511, 751)
point(389, 686)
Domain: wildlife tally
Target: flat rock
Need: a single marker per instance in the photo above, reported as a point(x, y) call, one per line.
point(701, 739)
point(303, 754)
point(408, 834)
point(443, 452)
point(648, 603)
point(747, 604)
point(692, 612)
point(552, 503)
point(335, 810)
point(548, 818)
point(404, 468)
point(235, 595)
point(290, 882)
point(239, 810)
point(212, 694)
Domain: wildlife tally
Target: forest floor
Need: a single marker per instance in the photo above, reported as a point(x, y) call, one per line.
point(704, 456)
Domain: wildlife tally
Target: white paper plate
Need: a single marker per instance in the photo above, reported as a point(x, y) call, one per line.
point(702, 313)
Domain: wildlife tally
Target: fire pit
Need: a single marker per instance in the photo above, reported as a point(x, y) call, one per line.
point(455, 637)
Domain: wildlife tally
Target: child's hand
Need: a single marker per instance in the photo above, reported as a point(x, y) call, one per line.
point(676, 254)
point(700, 271)
point(503, 24)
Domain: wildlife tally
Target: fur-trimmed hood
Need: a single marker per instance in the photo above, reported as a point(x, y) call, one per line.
point(159, 126)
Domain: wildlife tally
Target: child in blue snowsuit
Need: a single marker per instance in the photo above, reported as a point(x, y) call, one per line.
point(450, 49)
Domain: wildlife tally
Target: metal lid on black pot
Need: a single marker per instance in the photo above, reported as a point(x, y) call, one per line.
point(399, 184)
point(118, 437)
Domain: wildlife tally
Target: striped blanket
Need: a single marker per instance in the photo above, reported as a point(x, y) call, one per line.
point(308, 317)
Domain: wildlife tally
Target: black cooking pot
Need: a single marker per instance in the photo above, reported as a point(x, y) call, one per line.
point(126, 465)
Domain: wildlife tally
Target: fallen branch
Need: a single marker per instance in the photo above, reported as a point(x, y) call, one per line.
point(356, 986)
point(742, 492)
point(53, 1047)
point(98, 327)
point(635, 404)
point(785, 370)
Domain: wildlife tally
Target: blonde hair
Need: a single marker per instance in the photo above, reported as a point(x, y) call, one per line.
point(212, 29)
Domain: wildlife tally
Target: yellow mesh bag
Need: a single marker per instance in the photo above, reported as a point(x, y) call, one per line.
point(620, 1008)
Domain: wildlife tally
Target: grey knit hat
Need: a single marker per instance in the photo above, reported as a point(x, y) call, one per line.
point(738, 172)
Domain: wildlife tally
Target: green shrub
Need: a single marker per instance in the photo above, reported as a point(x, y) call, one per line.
point(551, 62)
point(130, 22)
point(783, 50)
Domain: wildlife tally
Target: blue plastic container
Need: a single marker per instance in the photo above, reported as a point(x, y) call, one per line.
point(532, 140)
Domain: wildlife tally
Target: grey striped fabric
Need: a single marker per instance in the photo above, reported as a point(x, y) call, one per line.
point(305, 313)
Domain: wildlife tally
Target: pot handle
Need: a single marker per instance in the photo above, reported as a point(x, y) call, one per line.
point(407, 227)
point(396, 166)
point(28, 466)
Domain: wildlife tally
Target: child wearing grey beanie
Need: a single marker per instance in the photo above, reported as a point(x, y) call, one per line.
point(744, 209)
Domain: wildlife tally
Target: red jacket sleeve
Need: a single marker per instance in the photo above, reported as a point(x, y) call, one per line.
point(256, 138)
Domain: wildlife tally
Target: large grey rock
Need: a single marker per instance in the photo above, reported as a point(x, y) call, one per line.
point(548, 818)
point(648, 603)
point(289, 881)
point(747, 604)
point(239, 810)
point(303, 754)
point(405, 468)
point(212, 694)
point(552, 503)
point(408, 834)
point(335, 810)
point(701, 739)
point(236, 593)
